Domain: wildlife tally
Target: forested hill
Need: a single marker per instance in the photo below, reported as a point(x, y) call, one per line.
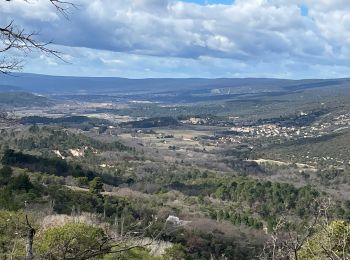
point(62, 84)
point(22, 99)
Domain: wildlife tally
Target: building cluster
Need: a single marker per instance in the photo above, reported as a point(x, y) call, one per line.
point(342, 120)
point(266, 130)
point(195, 121)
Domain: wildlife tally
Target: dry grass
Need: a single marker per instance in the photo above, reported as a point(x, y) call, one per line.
point(60, 220)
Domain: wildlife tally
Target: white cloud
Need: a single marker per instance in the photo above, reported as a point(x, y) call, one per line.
point(269, 35)
point(32, 9)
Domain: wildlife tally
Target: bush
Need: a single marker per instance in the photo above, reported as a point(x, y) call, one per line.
point(332, 240)
point(5, 175)
point(12, 230)
point(176, 252)
point(71, 241)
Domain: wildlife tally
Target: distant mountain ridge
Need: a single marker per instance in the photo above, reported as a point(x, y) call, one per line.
point(162, 90)
point(88, 85)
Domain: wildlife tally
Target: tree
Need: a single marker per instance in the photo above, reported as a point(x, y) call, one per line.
point(96, 185)
point(72, 241)
point(80, 241)
point(330, 242)
point(311, 239)
point(12, 229)
point(21, 182)
point(30, 239)
point(12, 37)
point(5, 175)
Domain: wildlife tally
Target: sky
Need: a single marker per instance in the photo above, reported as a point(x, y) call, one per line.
point(193, 38)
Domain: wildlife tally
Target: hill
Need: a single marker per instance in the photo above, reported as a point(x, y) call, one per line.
point(7, 88)
point(23, 99)
point(163, 87)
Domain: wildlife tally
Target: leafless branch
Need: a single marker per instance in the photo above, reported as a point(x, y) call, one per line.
point(285, 242)
point(13, 38)
point(63, 6)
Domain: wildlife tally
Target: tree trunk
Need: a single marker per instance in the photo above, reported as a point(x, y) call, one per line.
point(29, 242)
point(295, 254)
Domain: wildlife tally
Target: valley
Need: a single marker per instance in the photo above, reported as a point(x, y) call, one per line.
point(227, 168)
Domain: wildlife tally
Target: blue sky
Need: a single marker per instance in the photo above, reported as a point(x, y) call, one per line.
point(192, 38)
point(304, 10)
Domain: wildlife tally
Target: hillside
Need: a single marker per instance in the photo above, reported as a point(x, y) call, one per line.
point(23, 99)
point(164, 90)
point(7, 88)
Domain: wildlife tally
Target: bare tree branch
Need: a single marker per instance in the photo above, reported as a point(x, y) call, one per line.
point(63, 6)
point(13, 38)
point(285, 242)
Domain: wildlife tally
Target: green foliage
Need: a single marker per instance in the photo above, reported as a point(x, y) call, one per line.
point(134, 254)
point(176, 252)
point(240, 218)
point(51, 138)
point(96, 185)
point(21, 182)
point(329, 153)
point(34, 129)
point(268, 198)
point(5, 175)
point(12, 230)
point(66, 199)
point(330, 242)
point(82, 181)
point(71, 241)
point(16, 190)
point(53, 166)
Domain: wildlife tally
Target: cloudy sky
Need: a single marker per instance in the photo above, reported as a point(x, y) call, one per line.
point(190, 38)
